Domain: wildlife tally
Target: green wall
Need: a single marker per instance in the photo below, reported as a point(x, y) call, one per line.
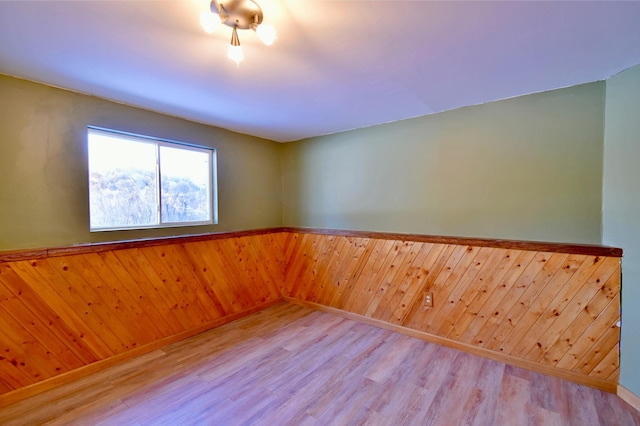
point(43, 167)
point(525, 168)
point(621, 208)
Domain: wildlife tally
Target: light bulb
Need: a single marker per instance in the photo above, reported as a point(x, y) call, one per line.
point(235, 54)
point(209, 21)
point(267, 34)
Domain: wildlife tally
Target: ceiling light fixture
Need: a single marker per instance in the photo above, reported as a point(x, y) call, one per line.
point(237, 14)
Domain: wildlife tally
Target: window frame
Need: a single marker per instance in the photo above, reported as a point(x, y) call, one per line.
point(159, 142)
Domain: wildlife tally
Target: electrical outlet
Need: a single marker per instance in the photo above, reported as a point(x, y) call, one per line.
point(428, 299)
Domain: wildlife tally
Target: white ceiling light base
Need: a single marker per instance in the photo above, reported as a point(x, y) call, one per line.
point(242, 14)
point(237, 14)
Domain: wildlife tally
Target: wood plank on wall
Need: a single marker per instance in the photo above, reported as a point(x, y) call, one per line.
point(61, 313)
point(64, 310)
point(552, 308)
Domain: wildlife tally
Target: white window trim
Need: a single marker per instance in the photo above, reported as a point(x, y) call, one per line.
point(213, 181)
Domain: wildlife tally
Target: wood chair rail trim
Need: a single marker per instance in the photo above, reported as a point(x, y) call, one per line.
point(553, 247)
point(568, 248)
point(29, 254)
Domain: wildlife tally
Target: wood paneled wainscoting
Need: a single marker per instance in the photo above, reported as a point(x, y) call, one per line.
point(552, 308)
point(68, 312)
point(72, 311)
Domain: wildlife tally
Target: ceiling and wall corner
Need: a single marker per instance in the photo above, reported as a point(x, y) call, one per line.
point(336, 66)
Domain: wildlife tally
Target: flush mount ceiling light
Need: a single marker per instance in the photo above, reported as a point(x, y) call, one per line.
point(237, 14)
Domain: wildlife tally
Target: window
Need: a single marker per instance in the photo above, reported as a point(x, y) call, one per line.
point(139, 182)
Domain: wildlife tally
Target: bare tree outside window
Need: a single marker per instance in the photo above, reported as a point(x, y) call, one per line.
point(143, 183)
point(185, 190)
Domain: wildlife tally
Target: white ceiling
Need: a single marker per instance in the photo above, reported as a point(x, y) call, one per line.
point(337, 65)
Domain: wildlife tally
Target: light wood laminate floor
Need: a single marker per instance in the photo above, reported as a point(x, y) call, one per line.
point(290, 365)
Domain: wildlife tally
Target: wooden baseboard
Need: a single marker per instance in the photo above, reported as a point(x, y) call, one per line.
point(507, 359)
point(629, 397)
point(36, 388)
